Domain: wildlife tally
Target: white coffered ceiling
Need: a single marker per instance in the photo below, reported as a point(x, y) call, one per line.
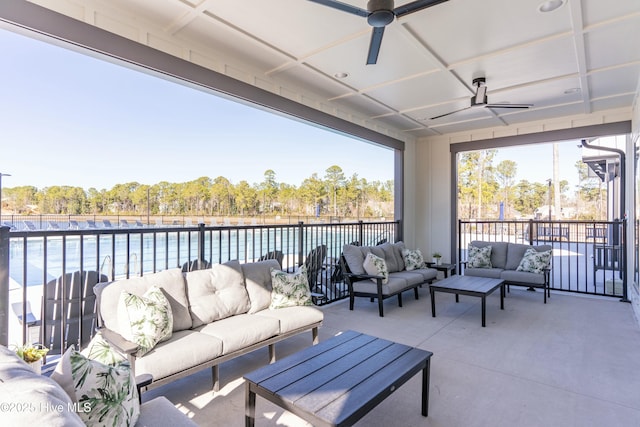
point(579, 59)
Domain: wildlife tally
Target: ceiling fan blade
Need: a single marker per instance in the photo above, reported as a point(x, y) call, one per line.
point(343, 7)
point(374, 45)
point(448, 114)
point(508, 105)
point(415, 6)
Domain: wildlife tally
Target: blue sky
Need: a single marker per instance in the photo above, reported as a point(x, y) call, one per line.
point(70, 119)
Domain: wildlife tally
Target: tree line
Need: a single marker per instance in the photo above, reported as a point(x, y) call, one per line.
point(483, 185)
point(334, 194)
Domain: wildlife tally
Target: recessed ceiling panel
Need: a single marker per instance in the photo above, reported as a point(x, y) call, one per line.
point(298, 27)
point(308, 80)
point(398, 58)
point(421, 91)
point(159, 12)
point(612, 103)
point(462, 29)
point(603, 45)
point(488, 122)
point(231, 44)
point(398, 121)
point(532, 63)
point(598, 11)
point(543, 113)
point(367, 106)
point(614, 81)
point(541, 94)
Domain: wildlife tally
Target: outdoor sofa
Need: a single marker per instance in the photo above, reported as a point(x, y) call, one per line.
point(394, 277)
point(510, 262)
point(217, 314)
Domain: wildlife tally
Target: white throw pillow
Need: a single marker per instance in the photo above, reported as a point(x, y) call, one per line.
point(376, 266)
point(412, 259)
point(289, 289)
point(534, 261)
point(145, 320)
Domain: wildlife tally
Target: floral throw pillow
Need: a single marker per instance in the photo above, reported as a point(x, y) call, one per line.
point(412, 259)
point(99, 349)
point(479, 257)
point(534, 261)
point(289, 289)
point(145, 320)
point(106, 395)
point(376, 266)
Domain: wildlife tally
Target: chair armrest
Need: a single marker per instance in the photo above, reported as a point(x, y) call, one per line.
point(363, 276)
point(121, 344)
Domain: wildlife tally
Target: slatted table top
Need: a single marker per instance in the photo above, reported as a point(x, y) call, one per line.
point(338, 381)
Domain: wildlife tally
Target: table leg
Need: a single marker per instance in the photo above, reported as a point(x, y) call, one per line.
point(433, 302)
point(425, 388)
point(250, 407)
point(484, 311)
point(457, 298)
point(502, 297)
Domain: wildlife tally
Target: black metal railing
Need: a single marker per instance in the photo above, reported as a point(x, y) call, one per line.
point(588, 256)
point(48, 273)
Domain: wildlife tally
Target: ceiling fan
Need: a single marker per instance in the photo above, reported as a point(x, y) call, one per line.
point(479, 100)
point(379, 14)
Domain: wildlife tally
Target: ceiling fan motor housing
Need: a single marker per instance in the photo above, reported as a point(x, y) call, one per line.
point(381, 13)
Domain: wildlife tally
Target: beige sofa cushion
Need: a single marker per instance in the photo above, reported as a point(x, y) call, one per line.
point(216, 293)
point(292, 318)
point(240, 331)
point(185, 350)
point(170, 281)
point(257, 277)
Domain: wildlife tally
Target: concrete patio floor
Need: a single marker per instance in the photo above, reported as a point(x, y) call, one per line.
point(571, 362)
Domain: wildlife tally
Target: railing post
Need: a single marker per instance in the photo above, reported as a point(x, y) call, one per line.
point(200, 244)
point(4, 285)
point(623, 237)
point(300, 242)
point(361, 232)
point(531, 232)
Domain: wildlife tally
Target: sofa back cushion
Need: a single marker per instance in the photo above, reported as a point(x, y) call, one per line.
point(354, 256)
point(216, 293)
point(498, 252)
point(170, 281)
point(516, 251)
point(390, 252)
point(257, 277)
point(393, 256)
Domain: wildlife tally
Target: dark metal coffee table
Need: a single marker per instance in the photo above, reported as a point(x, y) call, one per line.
point(337, 382)
point(468, 285)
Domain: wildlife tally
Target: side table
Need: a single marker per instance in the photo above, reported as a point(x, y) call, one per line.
point(446, 268)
